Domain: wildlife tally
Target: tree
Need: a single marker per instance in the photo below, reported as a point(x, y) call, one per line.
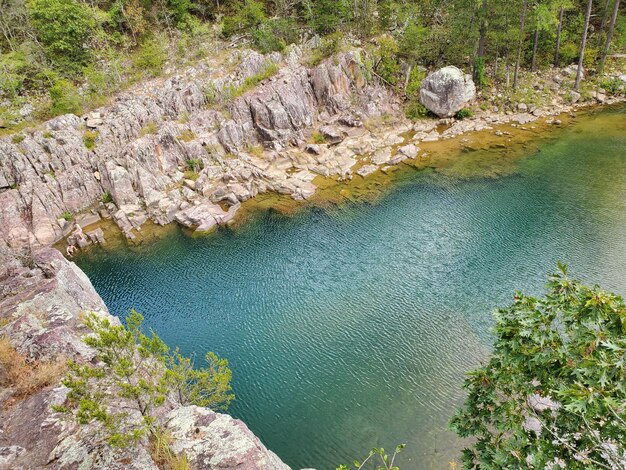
point(558, 37)
point(63, 27)
point(552, 394)
point(132, 375)
point(520, 45)
point(609, 36)
point(583, 42)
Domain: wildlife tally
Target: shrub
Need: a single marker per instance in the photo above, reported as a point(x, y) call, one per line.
point(107, 197)
point(24, 376)
point(329, 45)
point(414, 110)
point(17, 138)
point(464, 113)
point(89, 139)
point(249, 15)
point(64, 98)
point(387, 66)
point(267, 41)
point(318, 138)
point(150, 58)
point(191, 175)
point(63, 27)
point(140, 373)
point(210, 93)
point(194, 164)
point(414, 84)
point(67, 216)
point(479, 72)
point(613, 85)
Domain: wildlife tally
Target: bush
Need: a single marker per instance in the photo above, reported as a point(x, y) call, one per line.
point(387, 66)
point(194, 164)
point(479, 72)
point(150, 128)
point(329, 45)
point(415, 82)
point(63, 27)
point(327, 16)
point(267, 41)
point(414, 110)
point(150, 58)
point(64, 98)
point(464, 113)
point(412, 42)
point(135, 372)
point(67, 216)
point(107, 197)
point(89, 139)
point(17, 138)
point(613, 85)
point(249, 15)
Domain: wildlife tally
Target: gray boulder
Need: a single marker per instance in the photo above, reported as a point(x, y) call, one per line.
point(447, 91)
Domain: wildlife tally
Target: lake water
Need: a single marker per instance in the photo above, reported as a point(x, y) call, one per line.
point(351, 327)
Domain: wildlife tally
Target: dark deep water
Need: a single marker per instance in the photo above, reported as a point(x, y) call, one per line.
point(352, 327)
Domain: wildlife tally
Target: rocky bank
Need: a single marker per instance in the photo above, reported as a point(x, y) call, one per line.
point(42, 298)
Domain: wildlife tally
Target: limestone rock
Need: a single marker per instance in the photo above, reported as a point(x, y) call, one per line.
point(446, 91)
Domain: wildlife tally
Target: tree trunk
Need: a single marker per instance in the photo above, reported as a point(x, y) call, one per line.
point(520, 45)
point(482, 37)
point(583, 43)
point(558, 38)
point(534, 60)
point(609, 36)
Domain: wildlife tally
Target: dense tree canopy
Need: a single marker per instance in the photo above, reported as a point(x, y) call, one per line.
point(553, 394)
point(93, 42)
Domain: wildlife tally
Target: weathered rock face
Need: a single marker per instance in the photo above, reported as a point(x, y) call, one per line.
point(51, 171)
point(446, 91)
point(41, 299)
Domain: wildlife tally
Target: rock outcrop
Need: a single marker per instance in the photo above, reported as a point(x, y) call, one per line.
point(188, 141)
point(447, 91)
point(42, 297)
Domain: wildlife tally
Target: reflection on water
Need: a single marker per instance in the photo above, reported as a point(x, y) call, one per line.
point(351, 327)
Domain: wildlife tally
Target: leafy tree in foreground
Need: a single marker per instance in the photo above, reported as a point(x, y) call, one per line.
point(132, 375)
point(553, 394)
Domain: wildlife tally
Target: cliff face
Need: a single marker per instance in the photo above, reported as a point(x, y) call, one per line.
point(148, 137)
point(41, 301)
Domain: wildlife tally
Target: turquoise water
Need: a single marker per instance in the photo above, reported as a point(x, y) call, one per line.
point(352, 327)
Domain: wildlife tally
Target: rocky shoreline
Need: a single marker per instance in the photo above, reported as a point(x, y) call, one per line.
point(191, 148)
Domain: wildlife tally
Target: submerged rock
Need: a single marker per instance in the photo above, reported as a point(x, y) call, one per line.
point(447, 91)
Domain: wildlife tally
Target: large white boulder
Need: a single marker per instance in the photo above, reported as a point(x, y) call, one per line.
point(447, 91)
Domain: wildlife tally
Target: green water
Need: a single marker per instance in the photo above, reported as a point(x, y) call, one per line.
point(352, 327)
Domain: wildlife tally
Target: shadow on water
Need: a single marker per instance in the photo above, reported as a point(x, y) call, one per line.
point(350, 323)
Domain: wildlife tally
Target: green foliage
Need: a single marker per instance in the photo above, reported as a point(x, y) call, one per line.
point(565, 351)
point(327, 16)
point(329, 45)
point(386, 462)
point(415, 82)
point(413, 42)
point(318, 138)
point(194, 164)
point(249, 14)
point(464, 113)
point(150, 58)
point(107, 197)
point(64, 98)
point(133, 374)
point(67, 216)
point(479, 72)
point(414, 110)
point(17, 138)
point(386, 63)
point(63, 27)
point(613, 85)
point(89, 139)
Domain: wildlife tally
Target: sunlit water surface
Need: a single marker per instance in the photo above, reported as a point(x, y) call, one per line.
point(352, 327)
